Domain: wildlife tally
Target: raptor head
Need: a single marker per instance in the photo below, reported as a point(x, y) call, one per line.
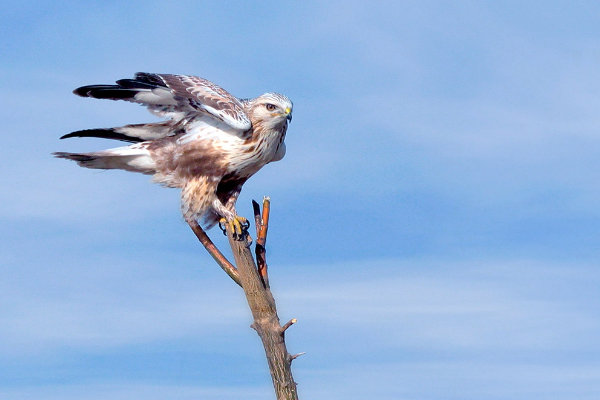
point(271, 110)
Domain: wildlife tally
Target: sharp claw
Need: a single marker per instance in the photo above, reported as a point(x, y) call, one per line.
point(222, 226)
point(238, 227)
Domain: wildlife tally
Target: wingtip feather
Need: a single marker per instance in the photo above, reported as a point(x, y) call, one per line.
point(107, 133)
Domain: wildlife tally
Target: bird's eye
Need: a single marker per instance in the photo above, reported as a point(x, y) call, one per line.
point(270, 107)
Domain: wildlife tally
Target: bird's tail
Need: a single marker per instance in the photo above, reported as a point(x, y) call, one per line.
point(134, 158)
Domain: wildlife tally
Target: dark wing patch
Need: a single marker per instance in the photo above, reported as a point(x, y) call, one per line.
point(150, 79)
point(155, 97)
point(112, 92)
point(108, 133)
point(137, 84)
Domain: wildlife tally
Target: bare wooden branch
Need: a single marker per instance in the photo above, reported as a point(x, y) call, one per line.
point(254, 280)
point(289, 323)
point(214, 251)
point(262, 226)
point(266, 211)
point(266, 322)
point(296, 356)
point(257, 217)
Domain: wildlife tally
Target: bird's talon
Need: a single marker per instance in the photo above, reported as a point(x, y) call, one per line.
point(238, 227)
point(222, 226)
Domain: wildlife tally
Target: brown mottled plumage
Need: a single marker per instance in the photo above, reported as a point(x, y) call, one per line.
point(210, 144)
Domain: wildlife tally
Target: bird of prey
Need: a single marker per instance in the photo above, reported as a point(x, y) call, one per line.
point(209, 145)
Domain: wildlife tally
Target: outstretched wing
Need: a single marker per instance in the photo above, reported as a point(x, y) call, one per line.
point(174, 97)
point(133, 133)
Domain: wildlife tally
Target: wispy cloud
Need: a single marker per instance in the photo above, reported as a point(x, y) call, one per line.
point(421, 129)
point(133, 392)
point(470, 322)
point(500, 306)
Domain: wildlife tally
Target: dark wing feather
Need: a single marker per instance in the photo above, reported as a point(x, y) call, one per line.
point(174, 96)
point(137, 84)
point(132, 133)
point(106, 133)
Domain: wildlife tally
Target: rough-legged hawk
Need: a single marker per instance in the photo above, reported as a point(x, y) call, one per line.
point(209, 145)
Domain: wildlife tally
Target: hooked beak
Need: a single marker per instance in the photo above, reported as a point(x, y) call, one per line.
point(288, 113)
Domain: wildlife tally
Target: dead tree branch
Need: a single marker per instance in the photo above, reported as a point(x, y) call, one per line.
point(214, 251)
point(254, 280)
point(262, 305)
point(262, 226)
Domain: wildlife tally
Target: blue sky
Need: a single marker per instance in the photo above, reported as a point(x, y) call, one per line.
point(435, 221)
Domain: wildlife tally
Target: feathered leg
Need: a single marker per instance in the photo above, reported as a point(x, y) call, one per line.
point(199, 199)
point(228, 192)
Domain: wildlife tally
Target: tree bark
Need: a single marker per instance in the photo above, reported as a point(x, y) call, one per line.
point(255, 282)
point(214, 251)
point(266, 322)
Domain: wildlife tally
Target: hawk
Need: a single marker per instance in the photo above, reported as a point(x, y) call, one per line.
point(209, 144)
